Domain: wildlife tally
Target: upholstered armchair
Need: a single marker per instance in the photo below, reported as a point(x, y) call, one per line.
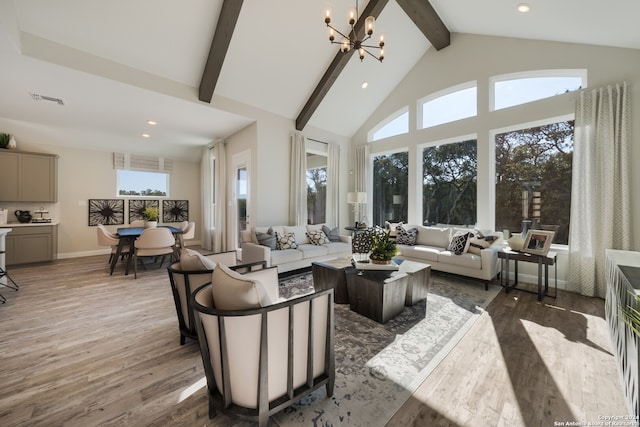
point(192, 271)
point(261, 355)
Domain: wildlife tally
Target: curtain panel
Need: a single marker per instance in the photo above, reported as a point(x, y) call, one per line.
point(600, 191)
point(333, 184)
point(298, 180)
point(214, 200)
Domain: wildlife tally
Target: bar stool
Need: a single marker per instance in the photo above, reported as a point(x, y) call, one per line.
point(14, 285)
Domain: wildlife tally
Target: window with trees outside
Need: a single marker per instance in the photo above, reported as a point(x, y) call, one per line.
point(436, 109)
point(316, 188)
point(519, 88)
point(395, 124)
point(449, 183)
point(390, 187)
point(533, 178)
point(141, 183)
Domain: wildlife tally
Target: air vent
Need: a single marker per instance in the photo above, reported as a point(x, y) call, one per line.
point(37, 97)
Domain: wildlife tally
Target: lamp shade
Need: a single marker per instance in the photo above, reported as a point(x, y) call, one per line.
point(356, 197)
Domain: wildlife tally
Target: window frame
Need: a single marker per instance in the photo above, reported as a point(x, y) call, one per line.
point(368, 215)
point(420, 169)
point(383, 123)
point(531, 74)
point(492, 160)
point(440, 94)
point(140, 196)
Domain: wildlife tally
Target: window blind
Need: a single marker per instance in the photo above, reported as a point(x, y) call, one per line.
point(136, 162)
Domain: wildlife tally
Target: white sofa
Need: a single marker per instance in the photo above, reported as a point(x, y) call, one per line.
point(431, 247)
point(292, 259)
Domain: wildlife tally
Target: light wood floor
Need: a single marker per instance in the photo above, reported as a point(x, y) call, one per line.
point(82, 348)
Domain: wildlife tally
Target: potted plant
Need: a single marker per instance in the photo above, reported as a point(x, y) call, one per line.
point(384, 248)
point(150, 216)
point(4, 140)
point(631, 316)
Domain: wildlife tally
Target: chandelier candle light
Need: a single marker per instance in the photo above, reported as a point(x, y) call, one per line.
point(352, 41)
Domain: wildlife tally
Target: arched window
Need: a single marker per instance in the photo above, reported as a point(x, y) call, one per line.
point(395, 124)
point(448, 105)
point(509, 90)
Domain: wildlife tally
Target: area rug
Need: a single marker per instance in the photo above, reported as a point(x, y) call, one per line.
point(378, 366)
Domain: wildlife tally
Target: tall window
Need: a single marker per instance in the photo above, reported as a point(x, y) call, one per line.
point(316, 188)
point(449, 183)
point(451, 104)
point(519, 88)
point(533, 178)
point(390, 187)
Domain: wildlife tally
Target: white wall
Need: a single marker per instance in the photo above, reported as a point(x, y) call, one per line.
point(474, 57)
point(89, 174)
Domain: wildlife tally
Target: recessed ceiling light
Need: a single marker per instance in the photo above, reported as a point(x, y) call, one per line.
point(146, 135)
point(152, 122)
point(523, 7)
point(364, 85)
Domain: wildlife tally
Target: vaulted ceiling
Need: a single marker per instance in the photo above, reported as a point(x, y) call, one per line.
point(120, 63)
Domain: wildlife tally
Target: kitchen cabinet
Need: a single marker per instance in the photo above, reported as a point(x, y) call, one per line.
point(28, 177)
point(27, 244)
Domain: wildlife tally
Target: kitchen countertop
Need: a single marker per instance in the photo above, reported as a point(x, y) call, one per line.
point(26, 224)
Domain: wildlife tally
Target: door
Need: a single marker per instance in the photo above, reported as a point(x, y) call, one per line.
point(241, 200)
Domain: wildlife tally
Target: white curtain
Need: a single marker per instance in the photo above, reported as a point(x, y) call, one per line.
point(600, 192)
point(333, 184)
point(213, 184)
point(220, 193)
point(361, 166)
point(298, 181)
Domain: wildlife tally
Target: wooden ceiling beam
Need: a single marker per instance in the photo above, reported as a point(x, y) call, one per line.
point(219, 45)
point(427, 20)
point(374, 8)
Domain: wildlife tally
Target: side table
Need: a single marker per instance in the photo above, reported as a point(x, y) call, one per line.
point(507, 254)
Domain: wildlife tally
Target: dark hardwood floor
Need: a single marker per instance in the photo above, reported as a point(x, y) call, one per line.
point(82, 348)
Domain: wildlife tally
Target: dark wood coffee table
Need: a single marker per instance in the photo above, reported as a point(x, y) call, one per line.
point(419, 281)
point(377, 294)
point(330, 275)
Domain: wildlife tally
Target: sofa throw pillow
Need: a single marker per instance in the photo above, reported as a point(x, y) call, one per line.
point(317, 237)
point(459, 242)
point(332, 234)
point(362, 241)
point(286, 241)
point(191, 260)
point(232, 291)
point(393, 228)
point(477, 244)
point(406, 236)
point(267, 239)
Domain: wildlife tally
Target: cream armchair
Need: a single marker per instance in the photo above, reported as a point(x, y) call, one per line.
point(192, 271)
point(260, 357)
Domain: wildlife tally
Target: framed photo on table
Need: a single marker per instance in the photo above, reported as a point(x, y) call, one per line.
point(538, 242)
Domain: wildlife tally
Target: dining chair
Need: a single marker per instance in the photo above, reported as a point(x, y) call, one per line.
point(188, 232)
point(106, 238)
point(154, 242)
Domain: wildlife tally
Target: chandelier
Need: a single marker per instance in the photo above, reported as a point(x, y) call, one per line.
point(352, 41)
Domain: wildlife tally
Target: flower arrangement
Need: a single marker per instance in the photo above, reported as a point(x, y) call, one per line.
point(384, 248)
point(151, 214)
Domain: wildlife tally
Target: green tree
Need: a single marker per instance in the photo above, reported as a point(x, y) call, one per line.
point(316, 195)
point(450, 183)
point(390, 178)
point(537, 159)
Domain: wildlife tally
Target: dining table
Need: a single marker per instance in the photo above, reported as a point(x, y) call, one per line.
point(128, 235)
